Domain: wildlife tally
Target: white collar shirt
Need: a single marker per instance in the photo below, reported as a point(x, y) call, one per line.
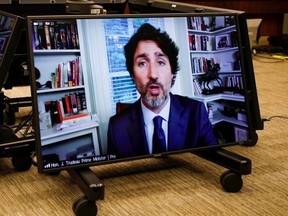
point(148, 116)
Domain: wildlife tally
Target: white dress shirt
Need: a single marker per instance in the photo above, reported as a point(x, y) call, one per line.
point(149, 125)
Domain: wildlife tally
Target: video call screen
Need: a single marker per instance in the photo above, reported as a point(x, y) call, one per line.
point(79, 76)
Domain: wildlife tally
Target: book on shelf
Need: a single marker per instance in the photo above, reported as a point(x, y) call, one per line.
point(39, 35)
point(55, 35)
point(201, 42)
point(233, 81)
point(48, 38)
point(200, 23)
point(74, 36)
point(75, 119)
point(67, 74)
point(200, 64)
point(55, 115)
point(66, 109)
point(80, 101)
point(197, 87)
point(73, 103)
point(229, 21)
point(209, 23)
point(83, 100)
point(63, 37)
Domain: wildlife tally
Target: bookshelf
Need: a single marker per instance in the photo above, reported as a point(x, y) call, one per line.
point(213, 47)
point(63, 100)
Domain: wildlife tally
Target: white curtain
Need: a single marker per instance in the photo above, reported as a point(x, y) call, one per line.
point(95, 66)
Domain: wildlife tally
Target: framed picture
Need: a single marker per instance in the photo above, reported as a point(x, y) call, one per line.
point(241, 134)
point(223, 41)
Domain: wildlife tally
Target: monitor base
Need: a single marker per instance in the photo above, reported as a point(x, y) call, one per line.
point(236, 164)
point(92, 188)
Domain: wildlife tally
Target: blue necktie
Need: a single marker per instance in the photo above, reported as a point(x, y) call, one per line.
point(159, 143)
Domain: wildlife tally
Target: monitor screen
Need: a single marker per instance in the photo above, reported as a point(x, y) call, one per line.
point(11, 27)
point(189, 69)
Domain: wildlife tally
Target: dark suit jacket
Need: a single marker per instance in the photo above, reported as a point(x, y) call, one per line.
point(188, 127)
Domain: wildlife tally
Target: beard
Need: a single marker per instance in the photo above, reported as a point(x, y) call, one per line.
point(154, 100)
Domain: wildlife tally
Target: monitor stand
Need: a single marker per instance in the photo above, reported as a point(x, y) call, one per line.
point(236, 164)
point(93, 188)
point(1, 108)
point(11, 146)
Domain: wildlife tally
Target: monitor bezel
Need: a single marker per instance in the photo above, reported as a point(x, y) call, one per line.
point(11, 46)
point(164, 6)
point(109, 16)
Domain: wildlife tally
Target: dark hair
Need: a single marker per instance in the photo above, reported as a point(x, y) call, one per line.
point(166, 44)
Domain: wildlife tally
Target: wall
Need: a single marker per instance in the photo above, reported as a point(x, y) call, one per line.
point(271, 12)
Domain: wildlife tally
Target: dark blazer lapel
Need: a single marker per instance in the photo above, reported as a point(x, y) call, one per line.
point(139, 143)
point(177, 127)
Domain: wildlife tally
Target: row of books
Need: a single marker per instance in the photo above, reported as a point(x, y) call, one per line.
point(210, 42)
point(201, 42)
point(69, 109)
point(233, 82)
point(68, 74)
point(55, 35)
point(210, 23)
point(200, 23)
point(198, 89)
point(201, 64)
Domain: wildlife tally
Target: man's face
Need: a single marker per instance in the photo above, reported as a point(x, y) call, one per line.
point(152, 74)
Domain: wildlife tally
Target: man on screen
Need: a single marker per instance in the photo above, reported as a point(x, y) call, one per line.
point(152, 61)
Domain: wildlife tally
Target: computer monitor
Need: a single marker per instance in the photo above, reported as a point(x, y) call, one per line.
point(11, 26)
point(79, 73)
point(163, 6)
point(52, 7)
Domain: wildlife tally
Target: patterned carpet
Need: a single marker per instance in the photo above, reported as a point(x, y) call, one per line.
point(182, 184)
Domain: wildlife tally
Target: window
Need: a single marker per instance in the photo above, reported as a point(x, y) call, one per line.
point(102, 54)
point(117, 34)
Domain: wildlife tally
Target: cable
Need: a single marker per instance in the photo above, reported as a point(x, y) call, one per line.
point(257, 57)
point(270, 118)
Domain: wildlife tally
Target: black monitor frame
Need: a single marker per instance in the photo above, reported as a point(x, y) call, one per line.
point(10, 44)
point(163, 6)
point(246, 77)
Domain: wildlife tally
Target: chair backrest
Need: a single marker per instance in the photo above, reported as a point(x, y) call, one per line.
point(122, 106)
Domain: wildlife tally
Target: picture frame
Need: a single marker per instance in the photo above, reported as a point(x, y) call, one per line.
point(241, 134)
point(223, 41)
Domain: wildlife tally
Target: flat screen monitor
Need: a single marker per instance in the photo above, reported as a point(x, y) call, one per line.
point(83, 66)
point(58, 7)
point(163, 6)
point(11, 26)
